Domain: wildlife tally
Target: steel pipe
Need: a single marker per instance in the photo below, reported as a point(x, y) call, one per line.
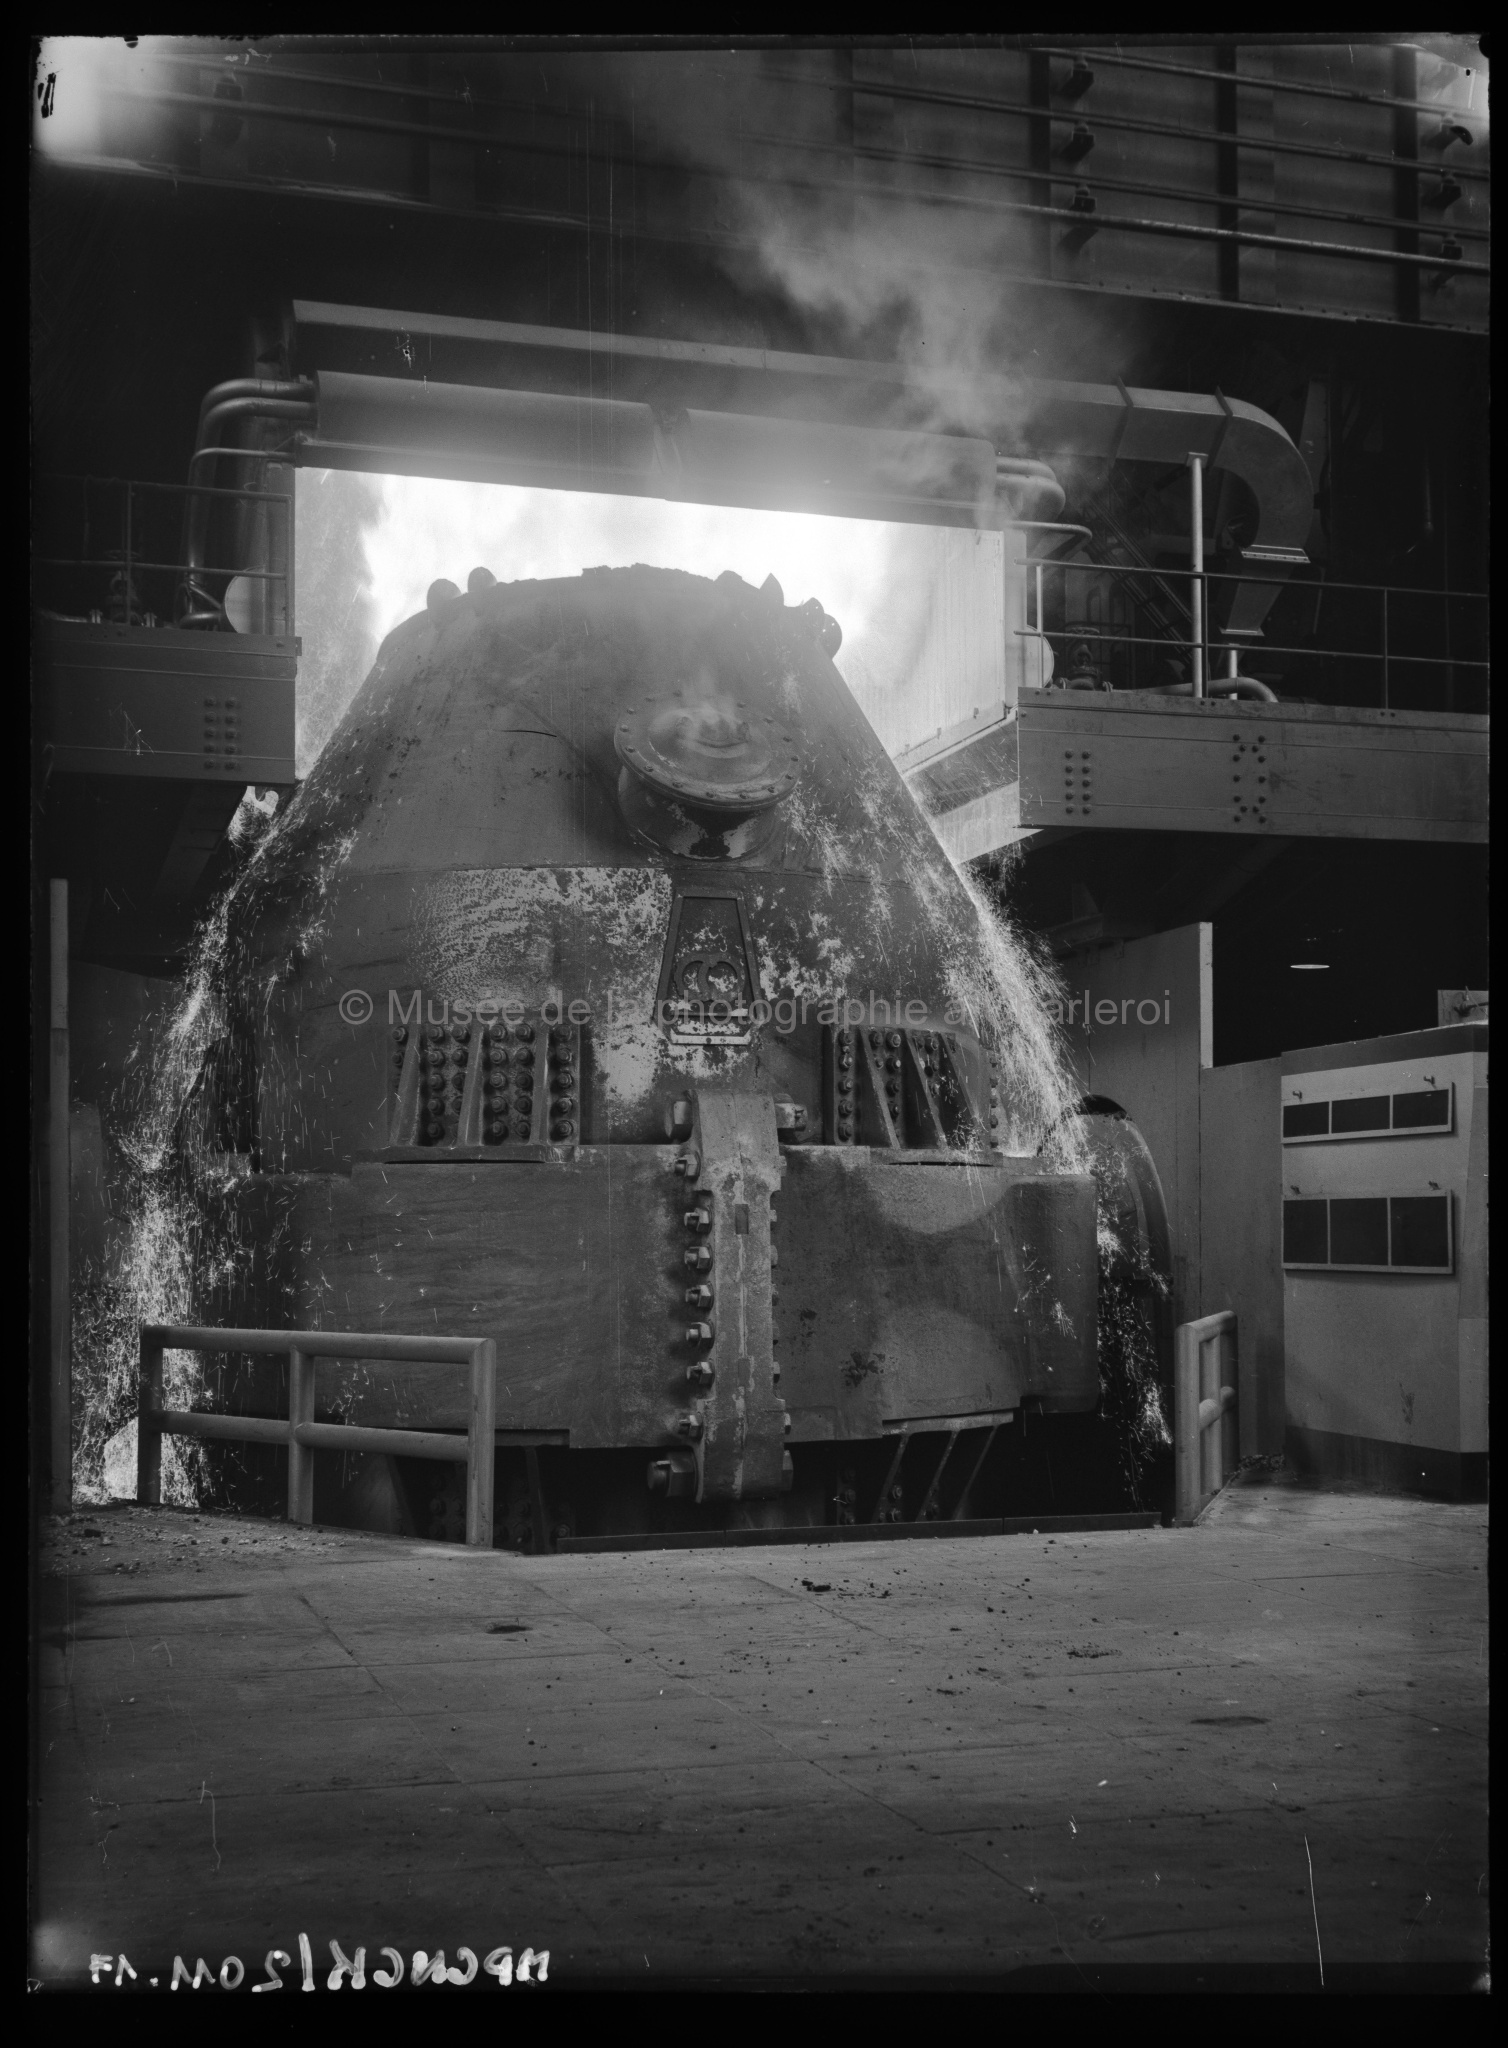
point(318, 1343)
point(711, 457)
point(311, 1436)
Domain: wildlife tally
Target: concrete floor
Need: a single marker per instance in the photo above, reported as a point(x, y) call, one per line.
point(1101, 1762)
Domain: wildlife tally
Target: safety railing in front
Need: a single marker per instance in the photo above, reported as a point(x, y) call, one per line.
point(1204, 1411)
point(302, 1435)
point(1400, 623)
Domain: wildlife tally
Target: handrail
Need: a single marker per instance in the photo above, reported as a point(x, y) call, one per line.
point(123, 563)
point(1385, 653)
point(1204, 1420)
point(1254, 576)
point(1186, 645)
point(1258, 81)
point(300, 1432)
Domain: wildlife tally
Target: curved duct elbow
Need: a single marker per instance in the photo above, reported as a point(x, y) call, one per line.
point(1223, 686)
point(1028, 489)
point(1108, 422)
point(241, 398)
point(1241, 686)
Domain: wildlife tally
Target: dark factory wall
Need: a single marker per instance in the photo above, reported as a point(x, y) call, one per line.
point(1314, 940)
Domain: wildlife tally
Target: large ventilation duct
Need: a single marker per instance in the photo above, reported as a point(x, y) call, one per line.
point(473, 431)
point(553, 440)
point(739, 446)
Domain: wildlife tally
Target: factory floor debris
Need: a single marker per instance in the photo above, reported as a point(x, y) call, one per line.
point(1239, 1755)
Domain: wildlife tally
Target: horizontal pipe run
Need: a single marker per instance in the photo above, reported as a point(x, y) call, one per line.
point(1195, 231)
point(1069, 116)
point(314, 1436)
point(318, 1343)
point(241, 1429)
point(1074, 175)
point(254, 408)
point(390, 1443)
point(475, 138)
point(250, 387)
point(1346, 95)
point(871, 88)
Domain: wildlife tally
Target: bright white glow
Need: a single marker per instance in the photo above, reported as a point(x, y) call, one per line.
point(926, 611)
point(76, 77)
point(1309, 967)
point(433, 528)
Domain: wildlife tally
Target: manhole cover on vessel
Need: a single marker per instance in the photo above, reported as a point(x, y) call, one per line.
point(711, 751)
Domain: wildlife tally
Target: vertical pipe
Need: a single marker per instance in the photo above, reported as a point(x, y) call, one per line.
point(1186, 1424)
point(148, 1436)
point(1196, 537)
point(1230, 1420)
point(59, 1264)
point(1041, 636)
point(481, 1448)
point(1232, 664)
point(300, 1457)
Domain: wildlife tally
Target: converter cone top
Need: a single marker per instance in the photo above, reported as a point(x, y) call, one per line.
point(715, 752)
